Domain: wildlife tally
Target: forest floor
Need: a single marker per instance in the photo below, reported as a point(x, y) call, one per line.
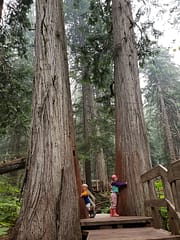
point(4, 237)
point(102, 206)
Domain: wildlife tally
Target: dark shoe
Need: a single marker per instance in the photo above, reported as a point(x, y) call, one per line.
point(92, 214)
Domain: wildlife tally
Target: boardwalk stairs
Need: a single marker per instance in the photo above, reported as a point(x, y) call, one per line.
point(104, 227)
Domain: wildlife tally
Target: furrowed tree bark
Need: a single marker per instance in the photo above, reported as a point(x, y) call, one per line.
point(50, 205)
point(12, 165)
point(132, 151)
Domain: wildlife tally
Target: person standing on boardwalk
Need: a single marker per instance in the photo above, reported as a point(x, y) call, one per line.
point(89, 200)
point(115, 187)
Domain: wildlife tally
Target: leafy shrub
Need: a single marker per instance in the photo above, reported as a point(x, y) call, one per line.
point(9, 205)
point(159, 189)
point(3, 230)
point(165, 217)
point(163, 210)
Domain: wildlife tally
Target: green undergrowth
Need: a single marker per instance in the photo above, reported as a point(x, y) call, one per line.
point(163, 210)
point(102, 202)
point(9, 204)
point(159, 189)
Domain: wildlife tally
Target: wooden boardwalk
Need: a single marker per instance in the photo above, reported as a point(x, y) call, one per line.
point(104, 227)
point(146, 233)
point(105, 221)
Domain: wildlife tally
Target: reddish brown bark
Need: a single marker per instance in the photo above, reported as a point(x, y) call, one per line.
point(50, 202)
point(132, 151)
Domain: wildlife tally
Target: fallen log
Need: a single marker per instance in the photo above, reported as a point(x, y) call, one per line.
point(12, 165)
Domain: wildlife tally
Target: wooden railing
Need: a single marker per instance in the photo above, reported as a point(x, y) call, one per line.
point(171, 187)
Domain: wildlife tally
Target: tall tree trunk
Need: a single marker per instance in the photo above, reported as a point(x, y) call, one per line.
point(83, 211)
point(169, 137)
point(101, 170)
point(132, 151)
point(88, 115)
point(50, 204)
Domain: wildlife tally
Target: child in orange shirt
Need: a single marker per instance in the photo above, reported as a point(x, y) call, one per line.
point(89, 200)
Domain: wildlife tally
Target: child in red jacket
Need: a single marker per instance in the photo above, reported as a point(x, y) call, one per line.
point(115, 186)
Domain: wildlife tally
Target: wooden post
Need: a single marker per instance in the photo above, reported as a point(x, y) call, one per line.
point(148, 211)
point(174, 179)
point(174, 219)
point(166, 184)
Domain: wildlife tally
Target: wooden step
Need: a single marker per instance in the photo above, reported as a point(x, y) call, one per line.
point(105, 221)
point(146, 233)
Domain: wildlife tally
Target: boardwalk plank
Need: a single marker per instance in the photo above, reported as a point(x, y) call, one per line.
point(106, 220)
point(146, 233)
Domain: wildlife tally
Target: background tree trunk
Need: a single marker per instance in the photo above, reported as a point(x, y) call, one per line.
point(88, 115)
point(50, 205)
point(83, 210)
point(101, 170)
point(167, 128)
point(132, 153)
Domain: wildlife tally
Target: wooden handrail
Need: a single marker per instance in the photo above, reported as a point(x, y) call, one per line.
point(155, 172)
point(159, 171)
point(171, 185)
point(174, 171)
point(155, 203)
